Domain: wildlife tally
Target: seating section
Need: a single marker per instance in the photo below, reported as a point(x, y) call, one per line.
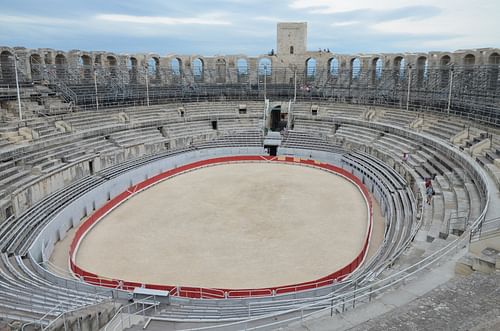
point(113, 141)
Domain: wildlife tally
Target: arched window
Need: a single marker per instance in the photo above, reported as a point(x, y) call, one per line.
point(153, 67)
point(493, 64)
point(36, 67)
point(175, 65)
point(311, 69)
point(333, 67)
point(469, 60)
point(132, 65)
point(242, 70)
point(86, 65)
point(398, 68)
point(468, 78)
point(198, 69)
point(111, 64)
point(220, 67)
point(7, 64)
point(421, 70)
point(61, 66)
point(265, 67)
point(445, 68)
point(377, 65)
point(355, 68)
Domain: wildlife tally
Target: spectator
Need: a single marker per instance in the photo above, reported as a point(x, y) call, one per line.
point(429, 192)
point(406, 156)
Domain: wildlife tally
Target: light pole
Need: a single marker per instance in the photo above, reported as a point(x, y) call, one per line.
point(409, 86)
point(265, 82)
point(449, 92)
point(147, 85)
point(95, 86)
point(294, 85)
point(17, 88)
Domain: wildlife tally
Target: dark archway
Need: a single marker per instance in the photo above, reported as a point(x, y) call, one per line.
point(376, 73)
point(86, 64)
point(445, 68)
point(132, 69)
point(278, 120)
point(61, 68)
point(421, 70)
point(36, 67)
point(7, 65)
point(494, 66)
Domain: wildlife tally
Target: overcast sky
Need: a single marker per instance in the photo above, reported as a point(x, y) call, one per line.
point(211, 27)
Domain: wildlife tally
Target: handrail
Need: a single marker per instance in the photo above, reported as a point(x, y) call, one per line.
point(121, 309)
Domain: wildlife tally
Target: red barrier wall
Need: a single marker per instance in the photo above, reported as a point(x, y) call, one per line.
point(210, 293)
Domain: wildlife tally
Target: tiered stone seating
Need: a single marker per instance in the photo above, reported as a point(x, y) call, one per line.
point(397, 117)
point(353, 134)
point(91, 120)
point(443, 129)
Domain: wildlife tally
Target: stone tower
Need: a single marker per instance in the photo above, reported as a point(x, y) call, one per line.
point(292, 38)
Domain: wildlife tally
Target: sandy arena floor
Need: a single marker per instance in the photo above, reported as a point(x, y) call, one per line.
point(231, 226)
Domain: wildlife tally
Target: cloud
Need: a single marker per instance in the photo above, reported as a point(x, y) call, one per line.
point(346, 23)
point(163, 20)
point(34, 20)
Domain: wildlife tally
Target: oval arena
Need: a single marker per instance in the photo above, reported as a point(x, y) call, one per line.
point(237, 192)
point(232, 223)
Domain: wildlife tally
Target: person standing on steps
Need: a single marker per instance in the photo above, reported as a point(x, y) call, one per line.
point(429, 191)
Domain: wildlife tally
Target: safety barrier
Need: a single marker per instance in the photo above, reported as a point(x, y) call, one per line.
point(218, 293)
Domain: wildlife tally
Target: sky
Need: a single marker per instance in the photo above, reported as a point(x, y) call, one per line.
point(212, 27)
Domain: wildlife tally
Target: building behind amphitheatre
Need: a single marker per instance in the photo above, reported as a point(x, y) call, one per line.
point(232, 192)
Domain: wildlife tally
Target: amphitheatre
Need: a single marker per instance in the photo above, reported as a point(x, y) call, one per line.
point(281, 191)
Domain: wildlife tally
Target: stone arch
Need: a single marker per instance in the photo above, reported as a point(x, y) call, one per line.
point(198, 69)
point(494, 59)
point(176, 66)
point(399, 69)
point(311, 68)
point(469, 60)
point(333, 67)
point(7, 67)
point(242, 70)
point(111, 63)
point(36, 67)
point(153, 66)
point(132, 65)
point(493, 64)
point(422, 70)
point(355, 68)
point(220, 69)
point(265, 69)
point(445, 70)
point(86, 64)
point(377, 66)
point(61, 66)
